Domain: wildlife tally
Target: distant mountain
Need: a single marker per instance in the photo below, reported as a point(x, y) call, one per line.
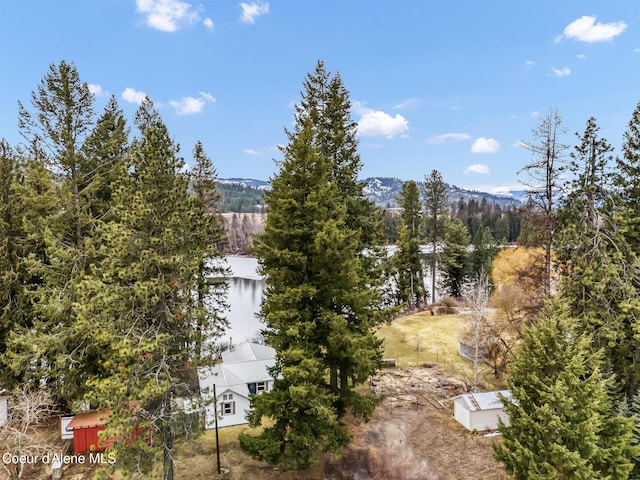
point(245, 182)
point(245, 194)
point(384, 190)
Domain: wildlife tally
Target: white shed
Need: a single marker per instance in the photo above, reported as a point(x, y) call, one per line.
point(480, 411)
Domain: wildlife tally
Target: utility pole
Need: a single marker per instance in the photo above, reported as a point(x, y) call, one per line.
point(215, 406)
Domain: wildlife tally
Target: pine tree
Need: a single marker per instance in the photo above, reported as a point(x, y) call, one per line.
point(55, 131)
point(562, 423)
point(212, 288)
point(602, 275)
point(143, 316)
point(436, 204)
point(104, 153)
point(484, 249)
point(321, 301)
point(10, 285)
point(30, 202)
point(627, 180)
point(454, 264)
point(407, 263)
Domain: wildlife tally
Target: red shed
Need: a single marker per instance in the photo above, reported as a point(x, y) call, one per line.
point(85, 428)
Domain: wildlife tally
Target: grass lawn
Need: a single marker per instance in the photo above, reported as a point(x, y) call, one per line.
point(422, 338)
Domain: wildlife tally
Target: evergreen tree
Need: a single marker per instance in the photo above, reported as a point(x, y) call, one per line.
point(321, 301)
point(602, 274)
point(562, 422)
point(142, 316)
point(103, 153)
point(55, 131)
point(454, 264)
point(627, 181)
point(10, 285)
point(436, 204)
point(212, 288)
point(484, 249)
point(29, 203)
point(407, 262)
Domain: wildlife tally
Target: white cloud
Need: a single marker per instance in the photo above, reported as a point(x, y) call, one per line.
point(560, 72)
point(251, 151)
point(449, 138)
point(480, 168)
point(409, 103)
point(187, 105)
point(535, 114)
point(485, 145)
point(207, 22)
point(529, 64)
point(167, 15)
point(132, 96)
point(96, 89)
point(191, 105)
point(637, 50)
point(585, 29)
point(207, 96)
point(377, 123)
point(581, 56)
point(250, 11)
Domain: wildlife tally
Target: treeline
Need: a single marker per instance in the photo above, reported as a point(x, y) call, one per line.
point(106, 247)
point(504, 222)
point(238, 198)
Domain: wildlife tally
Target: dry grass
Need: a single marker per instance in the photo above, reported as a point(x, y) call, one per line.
point(422, 338)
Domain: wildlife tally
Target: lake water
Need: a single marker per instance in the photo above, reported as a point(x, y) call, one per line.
point(246, 287)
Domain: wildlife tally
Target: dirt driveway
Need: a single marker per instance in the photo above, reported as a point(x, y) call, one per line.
point(413, 435)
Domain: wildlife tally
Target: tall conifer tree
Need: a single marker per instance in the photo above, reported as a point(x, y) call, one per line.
point(410, 287)
point(436, 205)
point(627, 180)
point(143, 314)
point(455, 258)
point(212, 287)
point(602, 275)
point(321, 302)
point(562, 421)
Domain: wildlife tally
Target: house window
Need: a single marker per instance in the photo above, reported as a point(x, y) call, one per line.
point(257, 387)
point(228, 406)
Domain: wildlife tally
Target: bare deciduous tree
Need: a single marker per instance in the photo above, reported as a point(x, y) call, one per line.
point(475, 296)
point(22, 435)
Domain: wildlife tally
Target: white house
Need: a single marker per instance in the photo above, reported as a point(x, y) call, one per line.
point(244, 370)
point(480, 411)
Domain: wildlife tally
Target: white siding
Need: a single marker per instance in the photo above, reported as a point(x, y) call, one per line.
point(4, 410)
point(461, 413)
point(480, 411)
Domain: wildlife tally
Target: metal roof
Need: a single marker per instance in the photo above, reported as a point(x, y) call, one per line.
point(248, 351)
point(89, 419)
point(234, 373)
point(484, 400)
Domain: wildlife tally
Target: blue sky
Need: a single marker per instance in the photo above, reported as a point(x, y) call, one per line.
point(449, 85)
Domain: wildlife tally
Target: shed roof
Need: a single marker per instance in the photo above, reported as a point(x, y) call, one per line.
point(89, 419)
point(484, 401)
